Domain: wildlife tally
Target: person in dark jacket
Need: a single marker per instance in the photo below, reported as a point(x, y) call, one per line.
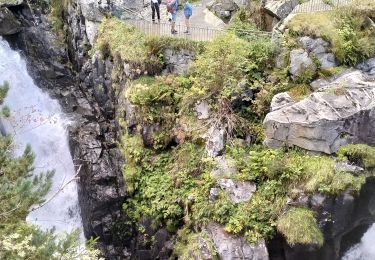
point(155, 7)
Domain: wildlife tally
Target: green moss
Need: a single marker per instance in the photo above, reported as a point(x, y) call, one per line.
point(299, 92)
point(190, 245)
point(299, 226)
point(328, 72)
point(360, 154)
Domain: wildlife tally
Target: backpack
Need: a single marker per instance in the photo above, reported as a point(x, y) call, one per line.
point(170, 5)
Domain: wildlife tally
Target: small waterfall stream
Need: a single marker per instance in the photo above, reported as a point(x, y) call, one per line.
point(38, 120)
point(365, 250)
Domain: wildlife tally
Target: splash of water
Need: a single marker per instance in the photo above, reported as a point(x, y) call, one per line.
point(364, 250)
point(38, 120)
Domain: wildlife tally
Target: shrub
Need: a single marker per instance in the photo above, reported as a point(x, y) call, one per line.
point(346, 28)
point(5, 111)
point(299, 226)
point(3, 91)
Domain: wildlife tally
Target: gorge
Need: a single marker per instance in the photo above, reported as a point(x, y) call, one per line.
point(165, 135)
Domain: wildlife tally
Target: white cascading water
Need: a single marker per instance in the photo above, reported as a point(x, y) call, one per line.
point(365, 250)
point(38, 120)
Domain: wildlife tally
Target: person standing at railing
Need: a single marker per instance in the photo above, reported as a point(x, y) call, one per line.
point(172, 7)
point(155, 7)
point(188, 11)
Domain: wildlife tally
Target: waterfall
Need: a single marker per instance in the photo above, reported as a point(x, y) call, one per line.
point(38, 120)
point(364, 250)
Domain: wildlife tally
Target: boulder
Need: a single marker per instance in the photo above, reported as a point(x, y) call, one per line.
point(238, 191)
point(300, 62)
point(178, 61)
point(281, 100)
point(280, 8)
point(214, 194)
point(223, 8)
point(230, 247)
point(215, 141)
point(202, 110)
point(346, 166)
point(342, 112)
point(368, 67)
point(8, 22)
point(224, 167)
point(319, 48)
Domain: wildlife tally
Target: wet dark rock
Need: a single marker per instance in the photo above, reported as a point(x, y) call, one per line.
point(343, 219)
point(8, 22)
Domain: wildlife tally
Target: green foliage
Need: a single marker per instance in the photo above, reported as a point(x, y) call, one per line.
point(307, 75)
point(57, 8)
point(18, 192)
point(226, 61)
point(117, 38)
point(346, 28)
point(189, 245)
point(157, 45)
point(267, 90)
point(360, 154)
point(251, 18)
point(299, 226)
point(3, 91)
point(156, 103)
point(5, 111)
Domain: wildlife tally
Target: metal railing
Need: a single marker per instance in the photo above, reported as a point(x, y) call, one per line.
point(196, 33)
point(319, 6)
point(164, 29)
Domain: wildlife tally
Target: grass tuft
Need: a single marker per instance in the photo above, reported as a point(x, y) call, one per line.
point(299, 226)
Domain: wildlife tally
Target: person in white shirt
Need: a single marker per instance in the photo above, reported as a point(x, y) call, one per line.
point(155, 8)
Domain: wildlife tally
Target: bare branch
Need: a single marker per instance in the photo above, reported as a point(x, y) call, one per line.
point(61, 188)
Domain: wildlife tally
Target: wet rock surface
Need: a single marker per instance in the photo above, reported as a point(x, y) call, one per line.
point(343, 220)
point(8, 22)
